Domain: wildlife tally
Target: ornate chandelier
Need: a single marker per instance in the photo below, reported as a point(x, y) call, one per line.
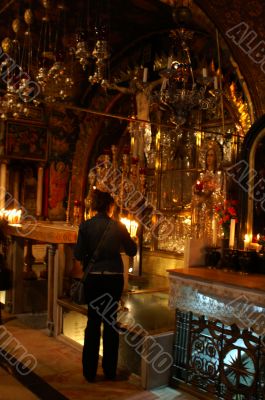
point(43, 71)
point(14, 103)
point(12, 106)
point(92, 47)
point(53, 75)
point(81, 51)
point(100, 54)
point(182, 88)
point(98, 57)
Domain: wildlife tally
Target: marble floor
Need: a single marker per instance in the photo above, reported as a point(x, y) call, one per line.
point(54, 370)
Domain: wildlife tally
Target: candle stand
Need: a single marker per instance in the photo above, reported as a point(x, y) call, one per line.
point(212, 256)
point(243, 261)
point(230, 260)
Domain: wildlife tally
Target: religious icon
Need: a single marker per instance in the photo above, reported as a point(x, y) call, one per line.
point(26, 141)
point(207, 191)
point(59, 179)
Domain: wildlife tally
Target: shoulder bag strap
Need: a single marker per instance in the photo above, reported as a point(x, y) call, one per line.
point(96, 252)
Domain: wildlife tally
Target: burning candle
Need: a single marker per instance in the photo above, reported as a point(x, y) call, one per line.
point(232, 233)
point(131, 226)
point(246, 241)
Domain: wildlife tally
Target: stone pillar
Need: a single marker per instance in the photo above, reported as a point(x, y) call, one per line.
point(50, 308)
point(16, 262)
point(59, 268)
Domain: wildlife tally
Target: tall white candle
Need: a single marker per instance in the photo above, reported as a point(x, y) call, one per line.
point(214, 228)
point(232, 233)
point(204, 73)
point(145, 74)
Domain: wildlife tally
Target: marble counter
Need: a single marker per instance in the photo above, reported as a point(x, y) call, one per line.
point(218, 295)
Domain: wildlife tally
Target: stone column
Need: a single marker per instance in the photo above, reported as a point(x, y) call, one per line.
point(16, 263)
point(50, 308)
point(59, 268)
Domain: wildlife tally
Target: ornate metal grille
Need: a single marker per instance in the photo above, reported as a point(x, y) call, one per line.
point(218, 359)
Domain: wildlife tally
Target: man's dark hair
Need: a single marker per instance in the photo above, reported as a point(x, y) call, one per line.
point(101, 201)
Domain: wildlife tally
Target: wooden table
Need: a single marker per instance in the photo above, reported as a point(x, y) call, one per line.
point(56, 235)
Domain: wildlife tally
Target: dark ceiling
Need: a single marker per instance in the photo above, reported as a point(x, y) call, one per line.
point(136, 31)
point(125, 20)
point(126, 24)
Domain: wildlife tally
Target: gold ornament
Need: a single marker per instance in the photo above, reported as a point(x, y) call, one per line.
point(6, 45)
point(16, 25)
point(28, 16)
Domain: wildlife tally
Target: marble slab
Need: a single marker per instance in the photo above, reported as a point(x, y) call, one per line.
point(227, 297)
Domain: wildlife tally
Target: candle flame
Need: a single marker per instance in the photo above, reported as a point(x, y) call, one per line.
point(131, 226)
point(11, 216)
point(247, 237)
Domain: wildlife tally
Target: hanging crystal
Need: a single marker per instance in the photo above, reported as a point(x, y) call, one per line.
point(59, 82)
point(17, 90)
point(184, 89)
point(45, 56)
point(54, 75)
point(101, 54)
point(82, 52)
